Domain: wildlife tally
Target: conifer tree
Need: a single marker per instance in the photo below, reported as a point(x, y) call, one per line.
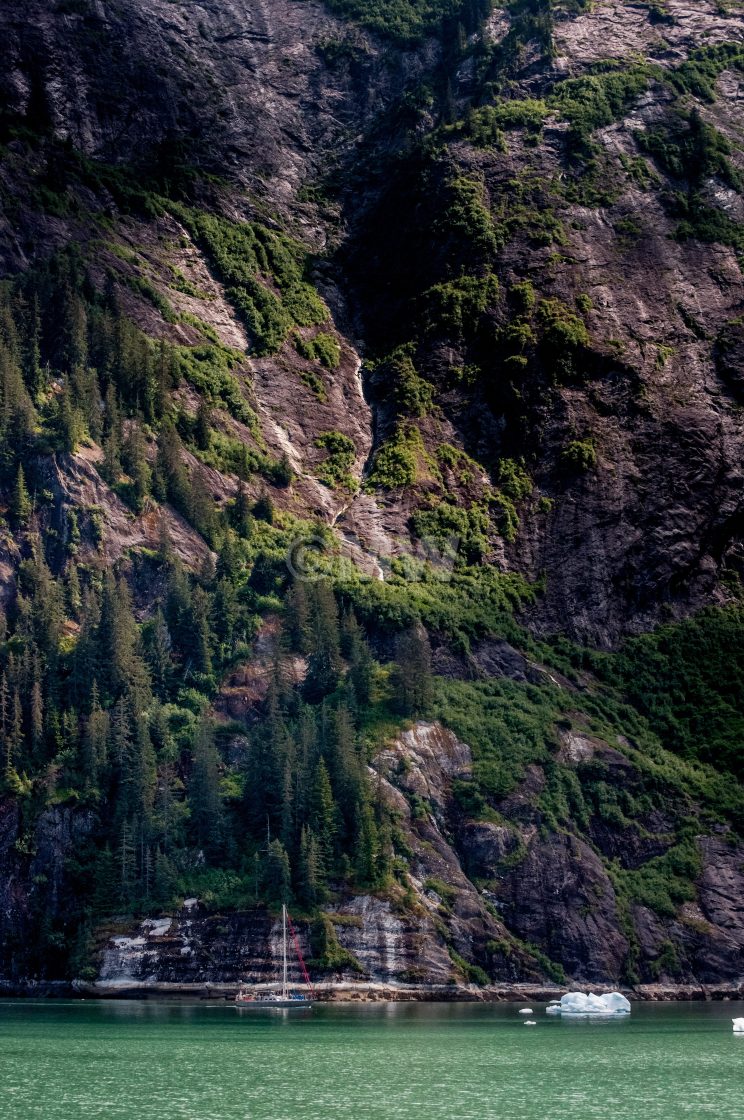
point(164, 877)
point(310, 879)
point(159, 646)
point(122, 669)
point(200, 508)
point(70, 423)
point(203, 426)
point(225, 616)
point(361, 667)
point(263, 510)
point(15, 733)
point(85, 666)
point(4, 705)
point(242, 519)
point(287, 818)
point(277, 875)
point(265, 770)
point(282, 473)
point(127, 863)
point(204, 796)
point(112, 437)
point(94, 746)
point(121, 733)
point(74, 339)
point(201, 654)
point(412, 675)
point(322, 816)
point(72, 586)
point(171, 469)
point(17, 413)
point(365, 847)
point(36, 375)
point(138, 775)
point(20, 502)
point(46, 607)
point(134, 461)
point(107, 877)
point(324, 661)
point(85, 398)
point(111, 466)
point(36, 718)
point(163, 378)
point(297, 617)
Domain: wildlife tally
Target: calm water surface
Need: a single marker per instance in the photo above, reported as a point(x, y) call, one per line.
point(69, 1061)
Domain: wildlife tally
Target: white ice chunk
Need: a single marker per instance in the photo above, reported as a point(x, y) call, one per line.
point(525, 1011)
point(738, 1025)
point(530, 1023)
point(616, 1001)
point(579, 1003)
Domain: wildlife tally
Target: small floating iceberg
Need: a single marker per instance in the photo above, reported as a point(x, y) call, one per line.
point(578, 1003)
point(738, 1026)
point(530, 1023)
point(525, 1011)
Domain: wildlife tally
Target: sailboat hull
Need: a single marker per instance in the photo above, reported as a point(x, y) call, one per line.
point(252, 1004)
point(283, 1000)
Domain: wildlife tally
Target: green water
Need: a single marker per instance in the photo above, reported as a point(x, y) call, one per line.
point(68, 1061)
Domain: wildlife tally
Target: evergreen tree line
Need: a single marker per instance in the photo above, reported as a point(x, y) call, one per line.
point(106, 714)
point(73, 367)
point(106, 675)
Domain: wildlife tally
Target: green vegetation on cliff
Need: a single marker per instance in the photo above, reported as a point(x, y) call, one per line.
point(264, 274)
point(411, 20)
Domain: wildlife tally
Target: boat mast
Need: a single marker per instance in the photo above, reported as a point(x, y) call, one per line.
point(284, 952)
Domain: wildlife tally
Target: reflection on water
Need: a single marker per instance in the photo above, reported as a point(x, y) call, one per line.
point(411, 1061)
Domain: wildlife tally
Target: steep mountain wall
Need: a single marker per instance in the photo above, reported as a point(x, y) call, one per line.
point(465, 291)
point(276, 96)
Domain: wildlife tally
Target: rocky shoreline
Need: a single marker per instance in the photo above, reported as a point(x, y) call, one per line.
point(365, 993)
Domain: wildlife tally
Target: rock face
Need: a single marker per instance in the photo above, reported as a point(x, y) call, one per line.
point(561, 897)
point(192, 948)
point(271, 101)
point(422, 938)
point(231, 78)
point(35, 882)
point(652, 522)
point(272, 95)
point(195, 948)
point(501, 896)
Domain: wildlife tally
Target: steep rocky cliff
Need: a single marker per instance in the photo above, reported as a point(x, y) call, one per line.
point(582, 170)
point(547, 905)
point(442, 302)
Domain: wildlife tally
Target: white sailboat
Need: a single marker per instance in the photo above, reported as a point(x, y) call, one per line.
point(285, 997)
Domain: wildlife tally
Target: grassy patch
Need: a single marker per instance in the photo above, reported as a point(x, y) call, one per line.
point(335, 470)
point(506, 724)
point(209, 368)
point(398, 461)
point(323, 348)
point(466, 606)
point(687, 679)
point(403, 20)
point(699, 73)
point(450, 523)
point(264, 272)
